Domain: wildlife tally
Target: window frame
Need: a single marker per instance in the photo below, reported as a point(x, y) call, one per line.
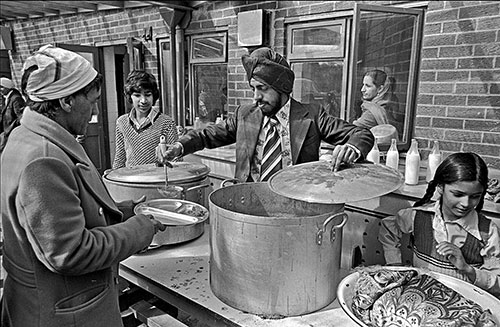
point(411, 97)
point(194, 62)
point(352, 19)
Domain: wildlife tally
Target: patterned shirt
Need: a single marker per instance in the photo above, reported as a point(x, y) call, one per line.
point(136, 143)
point(283, 129)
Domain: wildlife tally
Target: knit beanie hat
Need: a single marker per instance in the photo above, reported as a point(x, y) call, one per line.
point(57, 73)
point(270, 68)
point(7, 83)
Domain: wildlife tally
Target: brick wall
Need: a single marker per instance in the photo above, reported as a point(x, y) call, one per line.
point(458, 96)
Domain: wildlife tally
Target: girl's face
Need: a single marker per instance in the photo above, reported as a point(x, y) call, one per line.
point(369, 90)
point(460, 198)
point(142, 101)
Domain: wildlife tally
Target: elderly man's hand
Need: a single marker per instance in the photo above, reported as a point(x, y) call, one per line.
point(169, 152)
point(343, 154)
point(127, 207)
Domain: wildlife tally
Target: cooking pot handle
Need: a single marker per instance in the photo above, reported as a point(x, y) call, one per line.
point(321, 231)
point(195, 187)
point(232, 180)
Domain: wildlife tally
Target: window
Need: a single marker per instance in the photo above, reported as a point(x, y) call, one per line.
point(208, 76)
point(331, 56)
point(317, 57)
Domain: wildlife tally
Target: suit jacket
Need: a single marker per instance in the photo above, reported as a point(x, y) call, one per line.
point(63, 235)
point(309, 125)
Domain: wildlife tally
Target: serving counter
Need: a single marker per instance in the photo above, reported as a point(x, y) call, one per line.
point(179, 275)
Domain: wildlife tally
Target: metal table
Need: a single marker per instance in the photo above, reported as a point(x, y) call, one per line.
point(179, 275)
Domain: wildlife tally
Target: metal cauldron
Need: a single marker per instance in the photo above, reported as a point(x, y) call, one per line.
point(272, 255)
point(131, 183)
point(276, 246)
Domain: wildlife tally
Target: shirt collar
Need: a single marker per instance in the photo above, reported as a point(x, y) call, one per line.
point(150, 118)
point(467, 222)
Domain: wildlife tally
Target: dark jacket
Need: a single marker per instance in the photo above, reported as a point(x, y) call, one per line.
point(309, 125)
point(12, 109)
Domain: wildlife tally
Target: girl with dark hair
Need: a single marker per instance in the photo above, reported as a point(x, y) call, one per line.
point(138, 132)
point(450, 235)
point(379, 104)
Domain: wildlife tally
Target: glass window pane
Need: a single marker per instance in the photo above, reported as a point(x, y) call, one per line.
point(385, 43)
point(319, 39)
point(319, 82)
point(208, 47)
point(210, 92)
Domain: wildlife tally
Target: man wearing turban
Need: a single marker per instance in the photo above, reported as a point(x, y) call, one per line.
point(301, 127)
point(63, 234)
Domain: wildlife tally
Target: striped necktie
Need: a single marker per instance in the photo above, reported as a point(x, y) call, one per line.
point(271, 155)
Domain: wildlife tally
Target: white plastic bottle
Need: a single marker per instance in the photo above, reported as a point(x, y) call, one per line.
point(392, 159)
point(412, 166)
point(197, 123)
point(374, 154)
point(433, 161)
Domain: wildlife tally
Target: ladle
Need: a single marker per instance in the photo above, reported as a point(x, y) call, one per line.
point(168, 191)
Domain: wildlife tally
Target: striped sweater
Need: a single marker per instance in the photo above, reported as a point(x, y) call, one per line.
point(137, 146)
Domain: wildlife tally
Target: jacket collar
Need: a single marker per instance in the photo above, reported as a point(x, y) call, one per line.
point(48, 128)
point(55, 133)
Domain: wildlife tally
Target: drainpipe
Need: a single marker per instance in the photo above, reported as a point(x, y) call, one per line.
point(177, 20)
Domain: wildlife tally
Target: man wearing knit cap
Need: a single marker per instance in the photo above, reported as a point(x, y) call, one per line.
point(13, 105)
point(275, 124)
point(63, 234)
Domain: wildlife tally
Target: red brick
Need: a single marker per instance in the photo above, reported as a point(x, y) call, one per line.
point(482, 149)
point(483, 125)
point(476, 37)
point(447, 123)
point(462, 136)
point(475, 63)
point(450, 100)
point(483, 10)
point(455, 51)
point(439, 64)
point(431, 111)
point(493, 101)
point(453, 75)
point(471, 88)
point(466, 112)
point(441, 15)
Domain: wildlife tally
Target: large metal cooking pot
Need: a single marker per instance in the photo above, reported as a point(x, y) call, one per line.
point(272, 255)
point(133, 182)
point(276, 246)
point(177, 230)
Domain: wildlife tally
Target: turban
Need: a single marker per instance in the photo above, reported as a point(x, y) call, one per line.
point(270, 68)
point(7, 83)
point(56, 73)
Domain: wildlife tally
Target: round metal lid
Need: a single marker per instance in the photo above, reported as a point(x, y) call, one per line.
point(315, 182)
point(182, 172)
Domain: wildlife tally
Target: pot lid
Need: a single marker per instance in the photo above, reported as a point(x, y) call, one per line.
point(182, 172)
point(173, 212)
point(315, 182)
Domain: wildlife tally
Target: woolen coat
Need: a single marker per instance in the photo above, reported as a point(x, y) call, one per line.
point(63, 233)
point(309, 125)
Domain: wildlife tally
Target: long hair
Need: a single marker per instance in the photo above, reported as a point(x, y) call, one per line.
point(140, 80)
point(458, 167)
